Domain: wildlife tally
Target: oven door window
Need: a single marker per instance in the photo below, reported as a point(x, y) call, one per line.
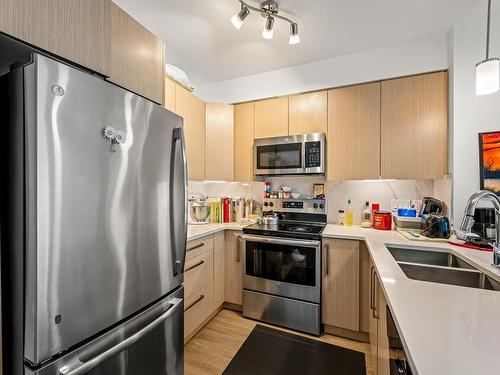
point(281, 156)
point(285, 263)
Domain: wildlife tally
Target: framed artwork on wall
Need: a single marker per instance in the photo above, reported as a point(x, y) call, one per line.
point(489, 161)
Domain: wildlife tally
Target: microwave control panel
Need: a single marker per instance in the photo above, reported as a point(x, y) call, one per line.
point(313, 154)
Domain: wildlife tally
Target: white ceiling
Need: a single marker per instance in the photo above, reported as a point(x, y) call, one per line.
point(201, 40)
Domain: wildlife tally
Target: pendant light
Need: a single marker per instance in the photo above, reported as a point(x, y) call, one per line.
point(488, 70)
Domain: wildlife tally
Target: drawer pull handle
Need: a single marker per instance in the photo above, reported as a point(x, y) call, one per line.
point(194, 266)
point(327, 261)
point(197, 246)
point(195, 302)
point(238, 248)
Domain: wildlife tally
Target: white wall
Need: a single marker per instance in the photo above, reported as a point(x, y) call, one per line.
point(420, 55)
point(471, 114)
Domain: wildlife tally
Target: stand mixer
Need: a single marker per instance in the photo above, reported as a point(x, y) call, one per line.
point(199, 211)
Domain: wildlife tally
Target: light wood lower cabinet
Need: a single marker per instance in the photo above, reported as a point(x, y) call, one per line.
point(219, 269)
point(197, 309)
point(379, 342)
point(340, 286)
point(198, 272)
point(234, 267)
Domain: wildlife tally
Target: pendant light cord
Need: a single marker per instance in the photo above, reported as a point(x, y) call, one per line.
point(488, 32)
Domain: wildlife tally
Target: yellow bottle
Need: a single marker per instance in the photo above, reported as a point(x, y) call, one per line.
point(348, 214)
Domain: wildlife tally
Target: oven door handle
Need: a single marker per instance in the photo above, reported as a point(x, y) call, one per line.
point(281, 241)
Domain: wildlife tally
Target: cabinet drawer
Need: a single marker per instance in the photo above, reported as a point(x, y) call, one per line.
point(196, 247)
point(198, 272)
point(197, 308)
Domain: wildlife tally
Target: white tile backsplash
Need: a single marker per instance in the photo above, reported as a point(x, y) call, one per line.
point(337, 193)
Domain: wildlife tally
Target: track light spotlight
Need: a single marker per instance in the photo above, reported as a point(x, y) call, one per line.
point(267, 33)
point(239, 17)
point(294, 34)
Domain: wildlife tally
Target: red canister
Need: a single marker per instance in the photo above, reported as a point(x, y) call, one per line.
point(382, 220)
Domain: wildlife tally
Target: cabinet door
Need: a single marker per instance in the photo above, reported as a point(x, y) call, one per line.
point(373, 320)
point(192, 110)
point(136, 56)
point(74, 29)
point(169, 96)
point(340, 285)
point(415, 127)
point(219, 154)
point(243, 141)
point(354, 132)
point(234, 267)
point(308, 113)
point(219, 269)
point(271, 118)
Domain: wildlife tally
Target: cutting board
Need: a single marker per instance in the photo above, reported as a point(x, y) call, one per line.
point(418, 237)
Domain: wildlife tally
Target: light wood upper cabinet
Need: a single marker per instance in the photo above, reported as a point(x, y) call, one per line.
point(308, 113)
point(136, 56)
point(219, 128)
point(271, 118)
point(340, 284)
point(243, 141)
point(234, 267)
point(192, 109)
point(354, 132)
point(74, 29)
point(169, 95)
point(415, 127)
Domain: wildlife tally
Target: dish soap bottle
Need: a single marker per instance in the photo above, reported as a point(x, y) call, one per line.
point(366, 216)
point(348, 214)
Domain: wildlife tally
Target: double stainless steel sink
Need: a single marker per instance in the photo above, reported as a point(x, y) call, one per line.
point(440, 267)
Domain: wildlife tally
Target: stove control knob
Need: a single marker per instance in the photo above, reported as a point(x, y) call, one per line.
point(266, 204)
point(271, 204)
point(321, 206)
point(315, 205)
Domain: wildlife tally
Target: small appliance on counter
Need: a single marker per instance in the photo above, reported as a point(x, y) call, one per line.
point(436, 226)
point(199, 210)
point(484, 226)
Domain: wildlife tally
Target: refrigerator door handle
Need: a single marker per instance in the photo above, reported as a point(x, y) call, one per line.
point(84, 367)
point(178, 238)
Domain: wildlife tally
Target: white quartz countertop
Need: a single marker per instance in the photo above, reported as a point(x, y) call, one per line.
point(445, 329)
point(201, 230)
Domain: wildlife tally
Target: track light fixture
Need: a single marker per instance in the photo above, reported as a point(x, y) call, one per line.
point(269, 10)
point(239, 17)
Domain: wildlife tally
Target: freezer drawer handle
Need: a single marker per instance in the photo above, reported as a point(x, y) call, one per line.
point(201, 244)
point(84, 367)
point(199, 299)
point(194, 266)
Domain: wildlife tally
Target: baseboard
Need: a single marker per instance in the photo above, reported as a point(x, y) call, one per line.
point(347, 333)
point(203, 324)
point(232, 306)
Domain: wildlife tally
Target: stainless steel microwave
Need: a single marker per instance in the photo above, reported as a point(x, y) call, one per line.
point(294, 154)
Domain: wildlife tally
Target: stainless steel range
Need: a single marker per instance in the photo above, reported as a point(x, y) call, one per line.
point(282, 265)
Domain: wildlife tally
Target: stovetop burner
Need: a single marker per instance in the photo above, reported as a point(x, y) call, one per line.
point(305, 230)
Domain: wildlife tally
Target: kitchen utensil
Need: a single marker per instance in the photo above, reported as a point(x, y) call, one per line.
point(286, 189)
point(382, 220)
point(270, 219)
point(287, 195)
point(295, 195)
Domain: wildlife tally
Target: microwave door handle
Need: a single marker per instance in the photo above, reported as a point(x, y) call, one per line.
point(85, 367)
point(178, 235)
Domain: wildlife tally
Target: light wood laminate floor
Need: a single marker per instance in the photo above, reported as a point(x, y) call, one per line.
point(211, 350)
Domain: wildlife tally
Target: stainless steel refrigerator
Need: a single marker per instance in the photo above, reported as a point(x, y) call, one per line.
point(93, 192)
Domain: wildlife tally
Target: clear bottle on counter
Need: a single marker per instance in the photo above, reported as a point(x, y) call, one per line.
point(341, 217)
point(267, 191)
point(366, 216)
point(348, 214)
